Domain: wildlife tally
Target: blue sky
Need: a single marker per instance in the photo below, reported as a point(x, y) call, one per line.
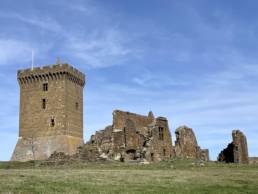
point(193, 61)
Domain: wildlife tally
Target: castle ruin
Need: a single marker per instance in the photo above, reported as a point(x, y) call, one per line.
point(134, 137)
point(51, 121)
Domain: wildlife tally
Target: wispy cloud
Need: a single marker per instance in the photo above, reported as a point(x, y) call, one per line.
point(14, 51)
point(85, 6)
point(95, 48)
point(46, 22)
point(157, 80)
point(99, 49)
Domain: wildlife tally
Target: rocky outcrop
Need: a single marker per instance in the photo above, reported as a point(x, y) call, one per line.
point(186, 145)
point(236, 151)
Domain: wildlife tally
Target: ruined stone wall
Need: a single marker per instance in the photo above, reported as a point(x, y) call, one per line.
point(186, 145)
point(129, 130)
point(160, 144)
point(134, 137)
point(240, 149)
point(120, 118)
point(236, 151)
point(103, 140)
point(203, 154)
point(57, 118)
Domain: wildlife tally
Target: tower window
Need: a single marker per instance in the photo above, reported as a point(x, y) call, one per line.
point(44, 103)
point(45, 87)
point(152, 157)
point(161, 133)
point(164, 152)
point(76, 105)
point(52, 122)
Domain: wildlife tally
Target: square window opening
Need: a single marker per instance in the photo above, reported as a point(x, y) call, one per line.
point(44, 103)
point(161, 133)
point(52, 122)
point(77, 106)
point(45, 87)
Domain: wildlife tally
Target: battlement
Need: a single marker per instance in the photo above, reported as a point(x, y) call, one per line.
point(50, 72)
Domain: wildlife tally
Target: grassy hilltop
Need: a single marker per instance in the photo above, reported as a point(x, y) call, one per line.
point(176, 176)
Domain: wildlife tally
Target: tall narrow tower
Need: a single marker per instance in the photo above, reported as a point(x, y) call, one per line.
point(51, 111)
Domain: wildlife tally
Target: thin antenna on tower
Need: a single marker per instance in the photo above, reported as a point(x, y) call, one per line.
point(32, 59)
point(58, 61)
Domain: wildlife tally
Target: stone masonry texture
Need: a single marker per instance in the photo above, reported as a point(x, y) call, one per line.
point(131, 137)
point(236, 151)
point(51, 111)
point(134, 137)
point(51, 125)
point(186, 145)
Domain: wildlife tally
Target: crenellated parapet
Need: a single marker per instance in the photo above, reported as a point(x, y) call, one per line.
point(52, 72)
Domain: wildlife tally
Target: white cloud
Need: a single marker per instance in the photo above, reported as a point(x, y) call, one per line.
point(14, 51)
point(46, 23)
point(99, 49)
point(95, 48)
point(85, 6)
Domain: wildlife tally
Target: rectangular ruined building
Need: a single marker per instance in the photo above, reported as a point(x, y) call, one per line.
point(51, 111)
point(131, 137)
point(134, 137)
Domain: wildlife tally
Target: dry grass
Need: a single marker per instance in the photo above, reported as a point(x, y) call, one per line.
point(167, 177)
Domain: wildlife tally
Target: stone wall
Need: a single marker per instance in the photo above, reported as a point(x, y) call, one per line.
point(240, 147)
point(132, 137)
point(236, 151)
point(40, 148)
point(186, 145)
point(140, 122)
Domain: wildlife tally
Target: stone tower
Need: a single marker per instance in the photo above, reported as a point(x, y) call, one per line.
point(51, 111)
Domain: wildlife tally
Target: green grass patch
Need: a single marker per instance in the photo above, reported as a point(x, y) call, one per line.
point(176, 176)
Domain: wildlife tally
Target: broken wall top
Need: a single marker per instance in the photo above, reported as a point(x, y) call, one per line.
point(238, 136)
point(185, 135)
point(140, 121)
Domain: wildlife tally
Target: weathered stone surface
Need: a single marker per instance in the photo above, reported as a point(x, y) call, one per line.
point(186, 145)
point(203, 154)
point(236, 151)
point(131, 137)
point(40, 148)
point(51, 111)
